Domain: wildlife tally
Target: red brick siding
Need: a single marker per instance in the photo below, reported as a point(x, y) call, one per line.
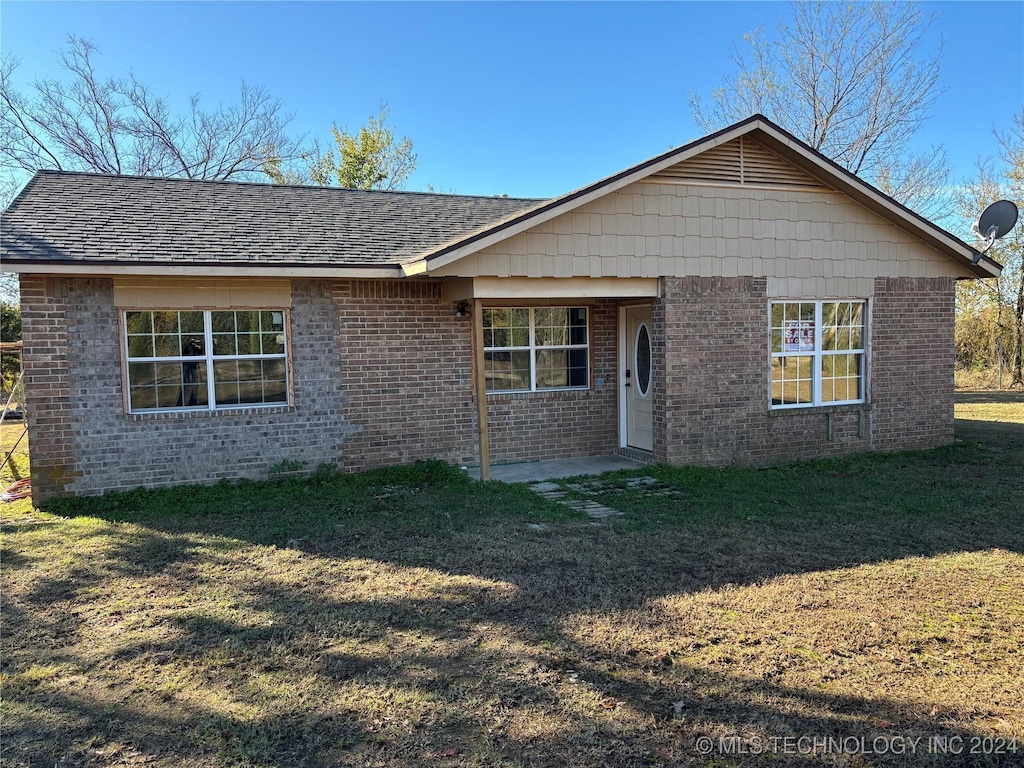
point(710, 393)
point(912, 358)
point(408, 379)
point(83, 441)
point(47, 395)
point(406, 372)
point(712, 403)
point(566, 424)
point(383, 374)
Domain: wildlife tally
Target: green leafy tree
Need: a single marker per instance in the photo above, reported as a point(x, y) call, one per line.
point(853, 81)
point(10, 330)
point(373, 157)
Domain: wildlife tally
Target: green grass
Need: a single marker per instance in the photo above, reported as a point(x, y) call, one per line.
point(411, 617)
point(17, 467)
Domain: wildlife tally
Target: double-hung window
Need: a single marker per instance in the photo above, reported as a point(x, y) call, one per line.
point(528, 349)
point(818, 353)
point(205, 359)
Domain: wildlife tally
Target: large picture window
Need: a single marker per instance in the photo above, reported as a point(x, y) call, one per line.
point(817, 353)
point(205, 360)
point(527, 349)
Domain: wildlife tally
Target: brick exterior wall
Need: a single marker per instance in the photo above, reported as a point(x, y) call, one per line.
point(45, 362)
point(566, 424)
point(83, 441)
point(710, 395)
point(913, 358)
point(407, 373)
point(711, 376)
point(382, 373)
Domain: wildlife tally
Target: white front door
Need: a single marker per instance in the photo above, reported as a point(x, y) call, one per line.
point(637, 383)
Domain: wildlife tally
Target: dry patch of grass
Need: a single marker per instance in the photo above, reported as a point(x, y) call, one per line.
point(1006, 407)
point(411, 617)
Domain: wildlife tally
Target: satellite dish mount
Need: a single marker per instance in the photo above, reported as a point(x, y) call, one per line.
point(997, 220)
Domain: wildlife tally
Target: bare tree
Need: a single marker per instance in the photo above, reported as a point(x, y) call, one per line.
point(848, 79)
point(1001, 305)
point(88, 123)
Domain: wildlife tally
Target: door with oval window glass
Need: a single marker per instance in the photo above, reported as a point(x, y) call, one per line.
point(638, 379)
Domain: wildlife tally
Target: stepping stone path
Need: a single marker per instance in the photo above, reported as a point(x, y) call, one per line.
point(555, 492)
point(646, 486)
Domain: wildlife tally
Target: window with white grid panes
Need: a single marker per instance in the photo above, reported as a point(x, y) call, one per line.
point(205, 359)
point(529, 349)
point(818, 353)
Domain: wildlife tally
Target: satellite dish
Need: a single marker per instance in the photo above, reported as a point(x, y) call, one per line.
point(998, 219)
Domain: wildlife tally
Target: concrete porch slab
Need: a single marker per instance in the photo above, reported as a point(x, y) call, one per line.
point(535, 471)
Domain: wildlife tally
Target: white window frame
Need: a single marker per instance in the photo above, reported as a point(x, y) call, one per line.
point(533, 347)
point(818, 354)
point(208, 358)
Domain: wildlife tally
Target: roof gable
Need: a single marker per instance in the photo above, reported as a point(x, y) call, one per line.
point(777, 157)
point(741, 161)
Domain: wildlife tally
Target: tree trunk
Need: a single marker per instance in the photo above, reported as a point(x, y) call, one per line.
point(1018, 335)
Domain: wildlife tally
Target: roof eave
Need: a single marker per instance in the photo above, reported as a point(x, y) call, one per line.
point(792, 149)
point(197, 269)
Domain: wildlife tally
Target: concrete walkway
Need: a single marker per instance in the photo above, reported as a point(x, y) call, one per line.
point(534, 471)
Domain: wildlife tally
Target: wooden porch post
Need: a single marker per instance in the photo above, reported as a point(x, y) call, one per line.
point(481, 390)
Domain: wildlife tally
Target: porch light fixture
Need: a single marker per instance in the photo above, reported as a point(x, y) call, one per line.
point(462, 310)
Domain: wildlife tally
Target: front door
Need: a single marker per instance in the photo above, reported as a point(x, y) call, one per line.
point(638, 421)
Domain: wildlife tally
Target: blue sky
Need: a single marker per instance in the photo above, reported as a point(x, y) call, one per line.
point(527, 99)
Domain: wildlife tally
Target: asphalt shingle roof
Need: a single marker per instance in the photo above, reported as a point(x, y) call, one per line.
point(62, 216)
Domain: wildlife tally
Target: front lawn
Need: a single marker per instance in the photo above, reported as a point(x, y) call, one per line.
point(866, 611)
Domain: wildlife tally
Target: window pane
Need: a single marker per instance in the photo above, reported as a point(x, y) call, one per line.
point(139, 322)
point(506, 327)
point(579, 368)
point(271, 321)
point(246, 322)
point(223, 322)
point(165, 322)
point(191, 322)
point(841, 378)
point(792, 380)
point(792, 327)
point(167, 385)
point(224, 344)
point(552, 368)
point(225, 379)
point(507, 371)
point(192, 346)
point(142, 374)
point(247, 344)
point(250, 381)
point(273, 343)
point(167, 345)
point(275, 388)
point(562, 368)
point(140, 346)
